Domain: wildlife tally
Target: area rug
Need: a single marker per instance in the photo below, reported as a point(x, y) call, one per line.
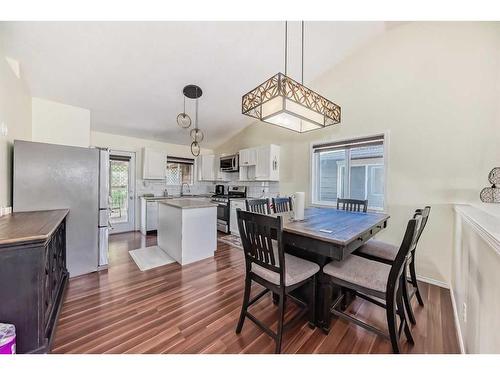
point(150, 257)
point(232, 240)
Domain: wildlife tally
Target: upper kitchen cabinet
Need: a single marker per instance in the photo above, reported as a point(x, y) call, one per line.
point(205, 165)
point(209, 169)
point(154, 164)
point(265, 167)
point(248, 157)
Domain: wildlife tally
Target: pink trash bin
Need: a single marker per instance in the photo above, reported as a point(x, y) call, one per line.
point(7, 339)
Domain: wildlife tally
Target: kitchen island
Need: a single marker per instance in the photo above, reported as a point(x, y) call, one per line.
point(187, 229)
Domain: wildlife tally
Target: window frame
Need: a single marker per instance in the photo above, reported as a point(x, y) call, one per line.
point(182, 160)
point(315, 170)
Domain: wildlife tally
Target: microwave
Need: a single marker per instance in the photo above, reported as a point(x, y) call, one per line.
point(229, 163)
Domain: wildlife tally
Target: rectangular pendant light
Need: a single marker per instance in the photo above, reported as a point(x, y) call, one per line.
point(285, 102)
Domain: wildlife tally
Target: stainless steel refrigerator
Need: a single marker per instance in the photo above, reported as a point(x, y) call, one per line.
point(47, 177)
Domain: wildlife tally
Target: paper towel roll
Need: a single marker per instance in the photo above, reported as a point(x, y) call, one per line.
point(298, 202)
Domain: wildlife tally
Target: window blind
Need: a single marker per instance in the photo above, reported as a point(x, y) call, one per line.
point(359, 142)
point(119, 157)
point(174, 159)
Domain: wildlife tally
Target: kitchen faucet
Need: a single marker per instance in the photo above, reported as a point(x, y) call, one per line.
point(182, 188)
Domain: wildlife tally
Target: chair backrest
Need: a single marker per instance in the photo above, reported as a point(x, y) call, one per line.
point(282, 204)
point(425, 216)
point(260, 206)
point(352, 204)
point(261, 236)
point(404, 252)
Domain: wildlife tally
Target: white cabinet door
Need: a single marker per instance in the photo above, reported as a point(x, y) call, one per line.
point(154, 164)
point(267, 168)
point(151, 215)
point(207, 168)
point(248, 156)
point(233, 220)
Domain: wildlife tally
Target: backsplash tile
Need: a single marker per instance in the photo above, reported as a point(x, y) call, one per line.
point(255, 189)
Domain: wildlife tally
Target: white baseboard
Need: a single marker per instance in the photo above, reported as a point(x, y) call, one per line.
point(457, 322)
point(429, 280)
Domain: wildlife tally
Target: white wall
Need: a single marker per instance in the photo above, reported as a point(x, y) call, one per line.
point(475, 278)
point(15, 113)
point(60, 123)
point(435, 88)
point(135, 145)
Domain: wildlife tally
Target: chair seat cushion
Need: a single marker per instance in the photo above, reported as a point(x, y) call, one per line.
point(296, 270)
point(379, 249)
point(360, 271)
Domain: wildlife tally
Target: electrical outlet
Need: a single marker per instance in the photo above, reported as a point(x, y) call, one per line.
point(464, 312)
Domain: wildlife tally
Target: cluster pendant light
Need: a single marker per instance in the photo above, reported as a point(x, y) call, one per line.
point(287, 103)
point(184, 121)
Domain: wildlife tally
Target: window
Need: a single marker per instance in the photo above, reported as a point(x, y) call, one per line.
point(180, 171)
point(349, 169)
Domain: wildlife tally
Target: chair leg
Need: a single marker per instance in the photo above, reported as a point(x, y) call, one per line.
point(403, 314)
point(275, 298)
point(392, 323)
point(312, 304)
point(413, 275)
point(244, 306)
point(406, 298)
point(281, 318)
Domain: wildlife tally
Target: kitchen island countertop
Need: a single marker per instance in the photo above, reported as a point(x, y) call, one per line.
point(186, 203)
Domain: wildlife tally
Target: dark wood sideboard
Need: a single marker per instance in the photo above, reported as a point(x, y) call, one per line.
point(33, 275)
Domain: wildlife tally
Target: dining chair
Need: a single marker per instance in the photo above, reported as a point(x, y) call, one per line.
point(260, 206)
point(267, 264)
point(352, 204)
point(386, 253)
point(378, 283)
point(283, 204)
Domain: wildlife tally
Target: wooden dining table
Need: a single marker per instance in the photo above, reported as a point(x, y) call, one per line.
point(326, 235)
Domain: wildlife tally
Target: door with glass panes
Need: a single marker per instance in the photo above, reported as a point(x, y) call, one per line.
point(121, 191)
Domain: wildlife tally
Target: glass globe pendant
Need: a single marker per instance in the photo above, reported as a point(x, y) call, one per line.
point(196, 135)
point(183, 119)
point(195, 148)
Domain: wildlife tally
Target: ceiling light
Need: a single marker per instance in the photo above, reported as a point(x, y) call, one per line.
point(287, 103)
point(183, 120)
point(192, 92)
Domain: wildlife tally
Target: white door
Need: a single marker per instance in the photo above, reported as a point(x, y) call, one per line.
point(122, 191)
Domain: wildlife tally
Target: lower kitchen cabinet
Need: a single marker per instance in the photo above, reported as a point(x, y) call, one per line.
point(33, 275)
point(149, 215)
point(233, 220)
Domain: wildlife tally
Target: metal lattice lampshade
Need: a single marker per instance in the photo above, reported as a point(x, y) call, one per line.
point(196, 135)
point(492, 194)
point(285, 102)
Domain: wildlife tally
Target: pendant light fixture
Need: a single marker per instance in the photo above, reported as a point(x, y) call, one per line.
point(287, 103)
point(183, 120)
point(192, 92)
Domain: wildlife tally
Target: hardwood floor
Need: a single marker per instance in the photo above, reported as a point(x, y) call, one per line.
point(195, 308)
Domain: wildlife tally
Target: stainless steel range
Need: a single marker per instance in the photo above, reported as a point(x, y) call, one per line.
point(224, 204)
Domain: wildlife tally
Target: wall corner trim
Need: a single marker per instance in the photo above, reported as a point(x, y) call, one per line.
point(457, 322)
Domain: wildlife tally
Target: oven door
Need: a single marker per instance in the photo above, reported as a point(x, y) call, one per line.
point(223, 217)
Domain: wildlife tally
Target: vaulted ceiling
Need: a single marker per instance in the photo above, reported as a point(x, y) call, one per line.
point(131, 74)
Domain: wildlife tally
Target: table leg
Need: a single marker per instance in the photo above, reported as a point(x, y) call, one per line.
point(324, 301)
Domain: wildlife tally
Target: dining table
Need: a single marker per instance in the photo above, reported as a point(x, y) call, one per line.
point(325, 235)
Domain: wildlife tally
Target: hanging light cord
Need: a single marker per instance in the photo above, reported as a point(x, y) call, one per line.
point(286, 49)
point(196, 109)
point(302, 52)
point(286, 44)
